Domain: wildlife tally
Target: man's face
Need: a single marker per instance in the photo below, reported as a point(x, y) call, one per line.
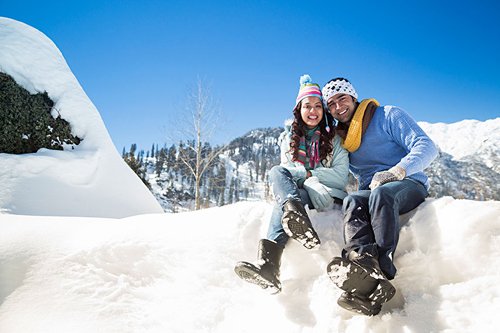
point(342, 107)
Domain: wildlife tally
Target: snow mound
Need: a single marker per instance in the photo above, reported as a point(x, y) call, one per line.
point(91, 180)
point(174, 273)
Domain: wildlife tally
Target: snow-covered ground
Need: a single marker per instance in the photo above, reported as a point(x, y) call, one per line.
point(174, 273)
point(118, 265)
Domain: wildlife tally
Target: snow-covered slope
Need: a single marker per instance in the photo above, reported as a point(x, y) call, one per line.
point(468, 138)
point(74, 182)
point(174, 273)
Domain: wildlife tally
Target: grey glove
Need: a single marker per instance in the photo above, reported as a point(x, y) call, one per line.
point(318, 194)
point(384, 177)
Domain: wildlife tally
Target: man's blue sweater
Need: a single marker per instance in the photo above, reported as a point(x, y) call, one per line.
point(392, 138)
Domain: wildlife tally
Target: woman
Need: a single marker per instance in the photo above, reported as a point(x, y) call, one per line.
point(313, 171)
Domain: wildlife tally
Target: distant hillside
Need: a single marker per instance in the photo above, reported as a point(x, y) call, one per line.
point(467, 167)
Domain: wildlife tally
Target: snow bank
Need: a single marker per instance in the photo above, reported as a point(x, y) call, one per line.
point(91, 180)
point(174, 273)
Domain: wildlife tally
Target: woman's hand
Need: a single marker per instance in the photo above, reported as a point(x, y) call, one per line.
point(318, 194)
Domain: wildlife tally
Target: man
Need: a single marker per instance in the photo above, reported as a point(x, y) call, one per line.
point(388, 152)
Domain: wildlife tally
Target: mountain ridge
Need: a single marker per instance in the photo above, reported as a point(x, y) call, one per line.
point(467, 166)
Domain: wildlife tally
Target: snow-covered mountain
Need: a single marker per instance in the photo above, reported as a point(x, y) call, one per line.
point(468, 138)
point(468, 166)
point(74, 182)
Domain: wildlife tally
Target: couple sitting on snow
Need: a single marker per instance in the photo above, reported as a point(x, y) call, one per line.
point(386, 151)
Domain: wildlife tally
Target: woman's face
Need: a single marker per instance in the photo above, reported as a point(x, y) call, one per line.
point(311, 111)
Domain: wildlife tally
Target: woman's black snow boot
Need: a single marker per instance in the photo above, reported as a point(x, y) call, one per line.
point(297, 224)
point(265, 272)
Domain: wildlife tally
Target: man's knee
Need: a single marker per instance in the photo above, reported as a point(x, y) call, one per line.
point(382, 194)
point(355, 208)
point(352, 201)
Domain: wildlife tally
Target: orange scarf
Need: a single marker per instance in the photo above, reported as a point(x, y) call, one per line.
point(359, 123)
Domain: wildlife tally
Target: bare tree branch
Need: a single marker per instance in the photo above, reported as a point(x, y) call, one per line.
point(197, 126)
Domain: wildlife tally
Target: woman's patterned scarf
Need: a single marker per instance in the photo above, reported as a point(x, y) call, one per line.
point(309, 147)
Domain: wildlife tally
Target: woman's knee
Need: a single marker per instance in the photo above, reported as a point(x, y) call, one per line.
point(278, 171)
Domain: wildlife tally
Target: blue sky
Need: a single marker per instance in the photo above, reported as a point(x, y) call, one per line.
point(137, 60)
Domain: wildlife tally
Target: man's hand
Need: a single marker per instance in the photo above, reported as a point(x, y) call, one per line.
point(384, 177)
point(318, 194)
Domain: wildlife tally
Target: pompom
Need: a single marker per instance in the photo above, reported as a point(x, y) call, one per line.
point(305, 79)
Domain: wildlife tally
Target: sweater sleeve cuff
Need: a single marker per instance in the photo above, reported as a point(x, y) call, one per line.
point(298, 172)
point(300, 182)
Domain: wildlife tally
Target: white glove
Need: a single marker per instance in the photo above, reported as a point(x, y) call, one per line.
point(318, 194)
point(384, 177)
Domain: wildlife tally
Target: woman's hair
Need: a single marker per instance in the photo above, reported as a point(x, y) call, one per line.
point(298, 130)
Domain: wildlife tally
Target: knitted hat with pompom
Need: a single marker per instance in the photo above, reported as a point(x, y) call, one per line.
point(308, 89)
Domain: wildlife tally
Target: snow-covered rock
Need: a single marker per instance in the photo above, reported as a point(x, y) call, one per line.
point(92, 179)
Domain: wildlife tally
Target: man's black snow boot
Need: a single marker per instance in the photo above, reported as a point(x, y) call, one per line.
point(369, 305)
point(351, 277)
point(297, 224)
point(265, 272)
point(358, 304)
point(366, 288)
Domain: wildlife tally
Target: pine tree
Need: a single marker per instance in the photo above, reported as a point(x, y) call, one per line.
point(220, 183)
point(221, 202)
point(136, 165)
point(267, 189)
point(263, 168)
point(237, 189)
point(230, 198)
point(257, 169)
point(160, 162)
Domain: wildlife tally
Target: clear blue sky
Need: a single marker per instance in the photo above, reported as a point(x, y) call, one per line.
point(439, 60)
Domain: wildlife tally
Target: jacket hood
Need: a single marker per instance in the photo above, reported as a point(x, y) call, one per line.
point(288, 125)
point(287, 132)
